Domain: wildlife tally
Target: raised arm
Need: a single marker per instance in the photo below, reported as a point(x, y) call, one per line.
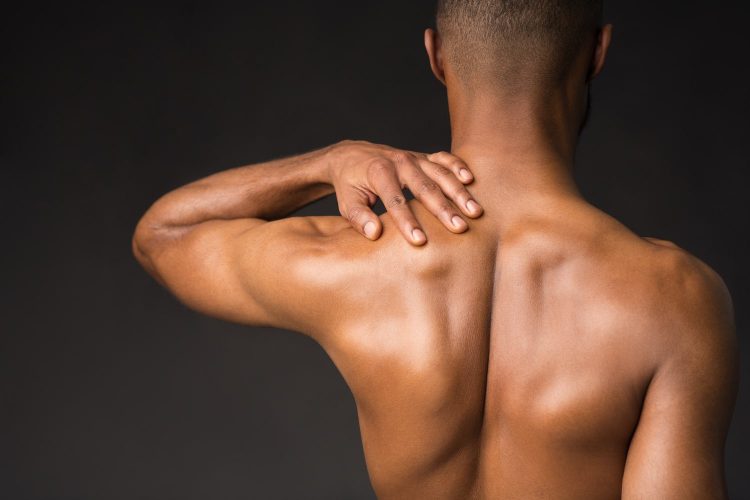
point(224, 248)
point(677, 451)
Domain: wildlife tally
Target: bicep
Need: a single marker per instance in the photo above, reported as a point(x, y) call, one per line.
point(249, 271)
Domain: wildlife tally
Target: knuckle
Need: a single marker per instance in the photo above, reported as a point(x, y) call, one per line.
point(446, 207)
point(441, 170)
point(394, 201)
point(355, 213)
point(458, 192)
point(379, 170)
point(401, 157)
point(380, 165)
point(427, 187)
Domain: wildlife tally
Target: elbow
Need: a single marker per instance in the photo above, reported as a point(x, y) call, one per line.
point(149, 239)
point(138, 243)
point(142, 242)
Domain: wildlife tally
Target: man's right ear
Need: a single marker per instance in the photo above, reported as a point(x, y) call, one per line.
point(435, 53)
point(603, 40)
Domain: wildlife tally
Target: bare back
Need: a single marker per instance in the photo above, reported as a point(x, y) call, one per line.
point(499, 367)
point(547, 352)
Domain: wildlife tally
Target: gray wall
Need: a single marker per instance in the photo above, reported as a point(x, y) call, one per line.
point(110, 389)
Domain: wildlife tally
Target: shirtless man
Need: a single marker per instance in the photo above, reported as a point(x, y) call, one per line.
point(544, 352)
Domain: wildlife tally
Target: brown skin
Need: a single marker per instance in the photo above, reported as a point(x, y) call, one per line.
point(548, 352)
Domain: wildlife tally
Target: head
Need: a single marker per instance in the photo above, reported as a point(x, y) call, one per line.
point(519, 48)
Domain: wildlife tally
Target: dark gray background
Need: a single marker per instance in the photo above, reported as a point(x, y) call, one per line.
point(112, 390)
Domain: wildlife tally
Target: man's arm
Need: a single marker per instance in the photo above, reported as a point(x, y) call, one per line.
point(677, 450)
point(221, 246)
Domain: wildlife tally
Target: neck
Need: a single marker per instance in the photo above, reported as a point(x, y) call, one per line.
point(521, 148)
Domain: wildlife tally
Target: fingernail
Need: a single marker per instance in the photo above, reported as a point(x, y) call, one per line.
point(473, 206)
point(457, 221)
point(370, 229)
point(417, 235)
point(465, 174)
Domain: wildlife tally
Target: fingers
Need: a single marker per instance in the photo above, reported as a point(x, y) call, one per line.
point(453, 163)
point(450, 187)
point(355, 208)
point(430, 193)
point(435, 179)
point(385, 182)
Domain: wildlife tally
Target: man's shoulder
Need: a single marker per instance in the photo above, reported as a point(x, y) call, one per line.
point(668, 297)
point(649, 270)
point(678, 281)
point(687, 328)
point(692, 294)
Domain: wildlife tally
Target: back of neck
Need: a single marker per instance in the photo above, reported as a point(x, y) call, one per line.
point(520, 148)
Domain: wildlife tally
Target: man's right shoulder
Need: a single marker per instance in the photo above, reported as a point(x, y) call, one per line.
point(683, 281)
point(680, 305)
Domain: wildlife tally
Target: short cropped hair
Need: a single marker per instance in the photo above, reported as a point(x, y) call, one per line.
point(516, 42)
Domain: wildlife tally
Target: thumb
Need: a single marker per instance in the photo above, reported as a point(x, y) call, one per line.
point(359, 214)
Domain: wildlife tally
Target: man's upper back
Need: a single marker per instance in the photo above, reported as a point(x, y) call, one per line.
point(515, 364)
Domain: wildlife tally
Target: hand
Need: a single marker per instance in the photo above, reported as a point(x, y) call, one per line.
point(361, 172)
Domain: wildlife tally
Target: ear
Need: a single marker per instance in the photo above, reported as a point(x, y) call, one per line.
point(435, 53)
point(603, 39)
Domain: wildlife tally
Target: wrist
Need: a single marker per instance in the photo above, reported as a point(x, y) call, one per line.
point(332, 159)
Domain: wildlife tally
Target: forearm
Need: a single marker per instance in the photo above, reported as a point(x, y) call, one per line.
point(269, 190)
point(359, 172)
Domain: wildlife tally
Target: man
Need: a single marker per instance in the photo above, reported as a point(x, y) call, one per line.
point(547, 352)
